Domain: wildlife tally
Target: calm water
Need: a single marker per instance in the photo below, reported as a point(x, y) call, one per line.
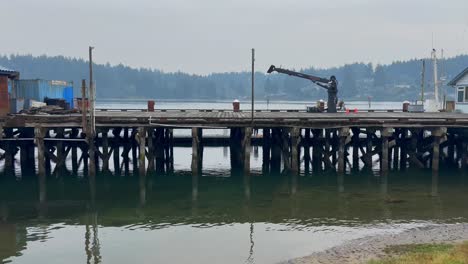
point(215, 218)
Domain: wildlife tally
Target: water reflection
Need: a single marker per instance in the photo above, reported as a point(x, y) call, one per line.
point(92, 245)
point(252, 212)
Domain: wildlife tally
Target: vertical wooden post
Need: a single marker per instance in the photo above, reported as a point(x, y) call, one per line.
point(396, 152)
point(92, 155)
point(403, 149)
point(307, 151)
point(195, 151)
point(295, 140)
point(369, 147)
point(343, 134)
point(166, 149)
point(60, 152)
point(275, 163)
point(266, 151)
point(316, 151)
point(200, 149)
point(159, 151)
point(151, 163)
point(105, 150)
point(246, 149)
point(385, 134)
point(85, 156)
point(437, 134)
point(286, 153)
point(142, 148)
point(74, 151)
point(171, 149)
point(356, 142)
point(9, 151)
point(134, 149)
point(84, 107)
point(39, 134)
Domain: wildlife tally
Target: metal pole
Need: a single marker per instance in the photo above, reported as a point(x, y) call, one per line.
point(253, 82)
point(436, 78)
point(84, 106)
point(422, 80)
point(92, 93)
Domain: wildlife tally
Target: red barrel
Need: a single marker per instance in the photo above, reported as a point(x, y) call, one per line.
point(151, 106)
point(406, 106)
point(236, 105)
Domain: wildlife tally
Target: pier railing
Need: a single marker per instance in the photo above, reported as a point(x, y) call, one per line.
point(230, 110)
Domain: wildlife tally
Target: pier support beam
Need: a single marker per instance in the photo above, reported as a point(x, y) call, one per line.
point(266, 151)
point(195, 151)
point(295, 140)
point(74, 151)
point(247, 135)
point(141, 139)
point(39, 134)
point(92, 153)
point(275, 162)
point(316, 150)
point(306, 151)
point(151, 164)
point(403, 149)
point(437, 135)
point(105, 150)
point(286, 152)
point(343, 134)
point(60, 164)
point(369, 147)
point(385, 133)
point(356, 143)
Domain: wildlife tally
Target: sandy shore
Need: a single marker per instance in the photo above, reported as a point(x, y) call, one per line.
point(364, 249)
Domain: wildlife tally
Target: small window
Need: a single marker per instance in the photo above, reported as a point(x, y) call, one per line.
point(466, 94)
point(460, 95)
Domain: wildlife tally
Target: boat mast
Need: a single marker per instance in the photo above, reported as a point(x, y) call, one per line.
point(423, 72)
point(436, 80)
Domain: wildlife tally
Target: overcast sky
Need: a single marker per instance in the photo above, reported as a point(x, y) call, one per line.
point(204, 36)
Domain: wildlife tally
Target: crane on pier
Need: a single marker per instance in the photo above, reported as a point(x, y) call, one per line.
point(331, 85)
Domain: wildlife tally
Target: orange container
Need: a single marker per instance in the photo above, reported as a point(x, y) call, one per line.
point(151, 106)
point(236, 105)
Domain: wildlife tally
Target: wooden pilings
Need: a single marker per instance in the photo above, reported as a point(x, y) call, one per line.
point(295, 140)
point(195, 151)
point(343, 135)
point(384, 160)
point(292, 150)
point(39, 134)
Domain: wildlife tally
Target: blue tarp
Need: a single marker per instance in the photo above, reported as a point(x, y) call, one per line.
point(40, 89)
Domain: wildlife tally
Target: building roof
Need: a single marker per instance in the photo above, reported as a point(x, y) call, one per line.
point(10, 73)
point(458, 77)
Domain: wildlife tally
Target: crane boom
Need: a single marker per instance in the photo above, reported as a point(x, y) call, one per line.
point(298, 74)
point(331, 85)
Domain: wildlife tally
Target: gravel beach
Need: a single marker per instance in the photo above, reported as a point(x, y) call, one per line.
point(364, 249)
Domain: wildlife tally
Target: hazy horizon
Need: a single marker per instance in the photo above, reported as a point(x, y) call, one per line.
point(202, 37)
point(257, 69)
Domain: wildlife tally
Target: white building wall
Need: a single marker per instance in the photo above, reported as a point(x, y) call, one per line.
point(463, 81)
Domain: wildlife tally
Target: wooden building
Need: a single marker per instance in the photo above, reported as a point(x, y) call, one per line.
point(460, 82)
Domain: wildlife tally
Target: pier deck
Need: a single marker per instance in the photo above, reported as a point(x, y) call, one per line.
point(220, 118)
point(292, 141)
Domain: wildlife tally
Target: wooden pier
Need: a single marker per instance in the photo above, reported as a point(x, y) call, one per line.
point(292, 141)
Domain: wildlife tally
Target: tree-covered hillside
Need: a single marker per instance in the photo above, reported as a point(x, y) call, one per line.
point(398, 81)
